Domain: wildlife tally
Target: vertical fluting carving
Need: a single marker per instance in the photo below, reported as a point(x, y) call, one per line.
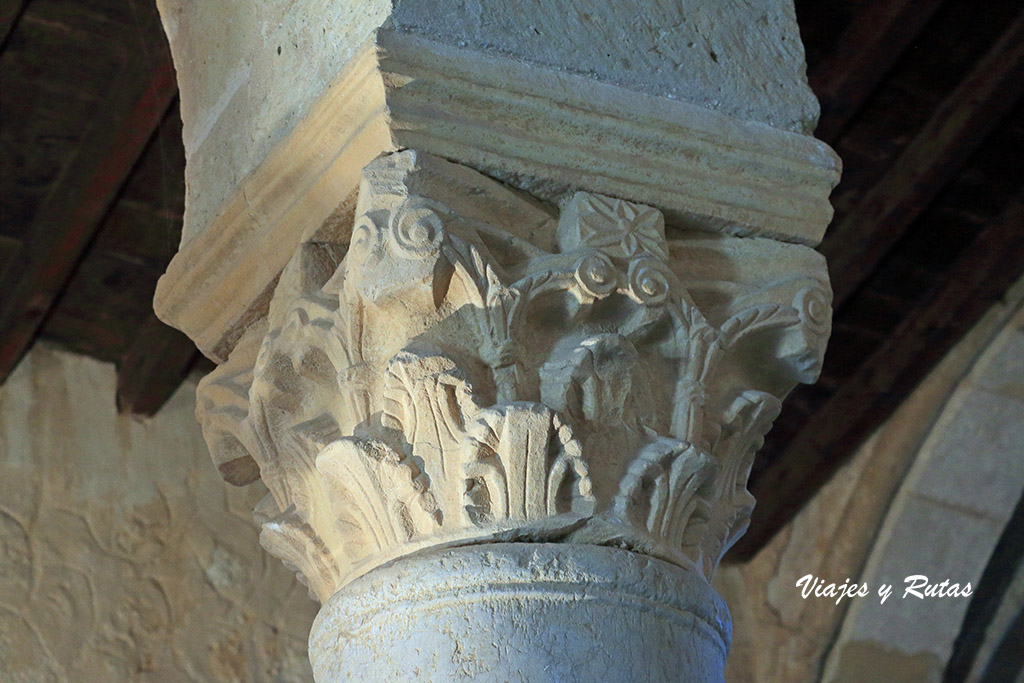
point(522, 464)
point(480, 366)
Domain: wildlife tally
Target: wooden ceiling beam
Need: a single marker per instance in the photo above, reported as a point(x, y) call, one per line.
point(68, 219)
point(861, 239)
point(9, 247)
point(979, 278)
point(864, 53)
point(153, 367)
point(10, 13)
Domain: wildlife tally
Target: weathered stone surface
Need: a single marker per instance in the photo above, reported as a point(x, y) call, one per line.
point(744, 59)
point(122, 557)
point(609, 105)
point(249, 73)
point(991, 428)
point(479, 366)
point(920, 537)
point(523, 612)
point(939, 529)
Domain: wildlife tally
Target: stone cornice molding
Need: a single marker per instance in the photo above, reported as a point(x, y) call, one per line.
point(549, 132)
point(479, 366)
point(557, 132)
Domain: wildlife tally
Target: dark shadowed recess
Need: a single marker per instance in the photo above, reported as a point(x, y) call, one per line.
point(1006, 661)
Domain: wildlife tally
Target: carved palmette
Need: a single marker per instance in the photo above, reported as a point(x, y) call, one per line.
point(480, 366)
point(666, 493)
point(522, 464)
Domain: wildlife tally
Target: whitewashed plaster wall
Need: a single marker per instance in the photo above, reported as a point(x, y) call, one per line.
point(123, 555)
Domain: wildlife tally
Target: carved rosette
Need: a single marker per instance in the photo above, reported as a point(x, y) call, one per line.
point(479, 366)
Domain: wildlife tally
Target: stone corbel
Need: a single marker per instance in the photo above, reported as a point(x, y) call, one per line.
point(482, 375)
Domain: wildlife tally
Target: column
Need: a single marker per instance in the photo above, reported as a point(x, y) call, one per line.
point(540, 297)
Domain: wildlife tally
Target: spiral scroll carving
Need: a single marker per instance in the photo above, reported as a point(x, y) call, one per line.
point(488, 368)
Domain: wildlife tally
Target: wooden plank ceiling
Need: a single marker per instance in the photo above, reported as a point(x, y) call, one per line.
point(927, 233)
point(91, 188)
point(921, 98)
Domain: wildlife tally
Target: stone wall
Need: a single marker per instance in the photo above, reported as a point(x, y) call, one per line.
point(249, 72)
point(967, 411)
point(123, 555)
point(943, 523)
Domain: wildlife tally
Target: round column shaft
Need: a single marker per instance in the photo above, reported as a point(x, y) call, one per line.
point(537, 612)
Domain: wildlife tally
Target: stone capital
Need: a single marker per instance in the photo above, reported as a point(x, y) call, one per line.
point(481, 367)
point(505, 297)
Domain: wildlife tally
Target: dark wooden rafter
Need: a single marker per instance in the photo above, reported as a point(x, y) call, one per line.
point(8, 248)
point(860, 240)
point(979, 278)
point(864, 54)
point(153, 368)
point(10, 12)
point(74, 209)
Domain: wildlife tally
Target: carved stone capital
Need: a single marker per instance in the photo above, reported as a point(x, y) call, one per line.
point(480, 366)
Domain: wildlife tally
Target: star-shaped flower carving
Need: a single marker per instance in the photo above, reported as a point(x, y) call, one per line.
point(622, 229)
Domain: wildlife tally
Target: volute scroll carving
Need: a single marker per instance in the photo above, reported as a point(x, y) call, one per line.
point(480, 366)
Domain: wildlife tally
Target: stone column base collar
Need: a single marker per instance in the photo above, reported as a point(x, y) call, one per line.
point(538, 612)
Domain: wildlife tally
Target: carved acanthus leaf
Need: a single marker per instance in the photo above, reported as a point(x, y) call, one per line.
point(522, 465)
point(222, 409)
point(378, 497)
point(478, 368)
point(757, 319)
point(742, 429)
point(287, 536)
point(666, 493)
